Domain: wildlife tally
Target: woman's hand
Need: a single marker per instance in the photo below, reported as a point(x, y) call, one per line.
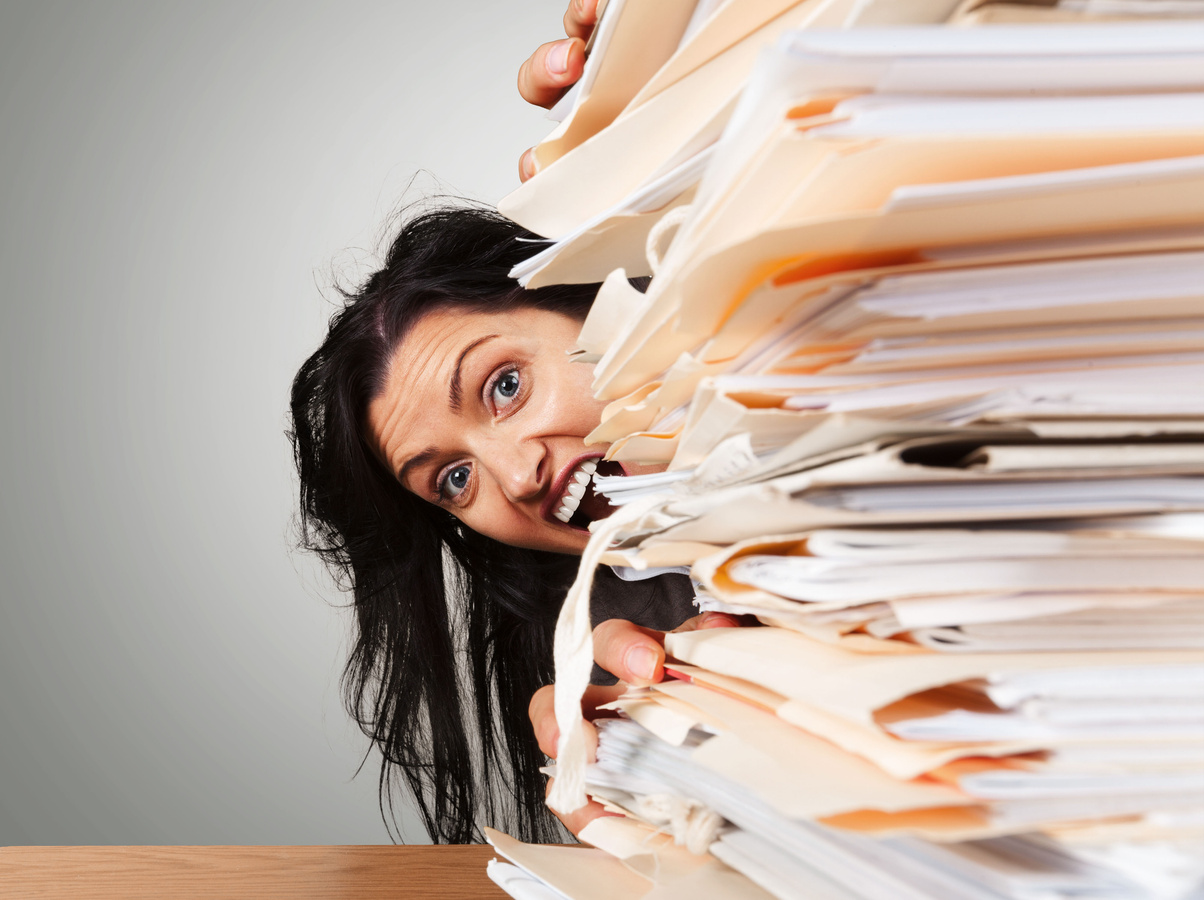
point(554, 66)
point(637, 657)
point(543, 720)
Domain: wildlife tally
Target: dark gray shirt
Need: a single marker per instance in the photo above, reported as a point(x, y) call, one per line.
point(662, 603)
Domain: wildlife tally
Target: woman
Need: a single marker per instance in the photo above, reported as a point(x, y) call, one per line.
point(439, 437)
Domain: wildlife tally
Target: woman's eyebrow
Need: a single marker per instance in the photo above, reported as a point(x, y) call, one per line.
point(414, 461)
point(454, 392)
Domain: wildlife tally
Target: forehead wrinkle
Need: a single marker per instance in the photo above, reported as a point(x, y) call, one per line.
point(415, 355)
point(393, 425)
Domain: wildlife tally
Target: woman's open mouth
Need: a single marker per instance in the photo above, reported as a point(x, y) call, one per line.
point(580, 504)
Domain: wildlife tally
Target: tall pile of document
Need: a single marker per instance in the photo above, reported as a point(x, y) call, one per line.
point(923, 353)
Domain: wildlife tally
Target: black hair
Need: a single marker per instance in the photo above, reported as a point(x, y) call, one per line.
point(454, 630)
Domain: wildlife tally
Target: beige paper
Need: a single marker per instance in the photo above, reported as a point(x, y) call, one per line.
point(643, 850)
point(645, 35)
point(668, 721)
point(949, 824)
point(675, 873)
point(900, 759)
point(620, 241)
point(818, 780)
point(791, 770)
point(617, 302)
point(730, 23)
point(580, 873)
point(688, 114)
point(718, 281)
point(855, 685)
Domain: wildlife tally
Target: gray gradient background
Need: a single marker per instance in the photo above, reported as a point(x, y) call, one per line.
point(180, 183)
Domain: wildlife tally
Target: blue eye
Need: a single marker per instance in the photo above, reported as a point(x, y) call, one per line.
point(455, 481)
point(505, 389)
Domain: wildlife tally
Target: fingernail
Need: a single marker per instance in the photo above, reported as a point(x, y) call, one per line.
point(526, 165)
point(641, 661)
point(558, 58)
point(719, 620)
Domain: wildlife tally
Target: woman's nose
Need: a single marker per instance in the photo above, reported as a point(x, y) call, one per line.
point(518, 468)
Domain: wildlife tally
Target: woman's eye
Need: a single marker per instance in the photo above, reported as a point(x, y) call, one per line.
point(505, 389)
point(455, 482)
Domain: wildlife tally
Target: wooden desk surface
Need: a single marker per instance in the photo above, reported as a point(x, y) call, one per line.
point(254, 873)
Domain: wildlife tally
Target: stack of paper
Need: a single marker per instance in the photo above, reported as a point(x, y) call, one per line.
point(659, 87)
point(924, 357)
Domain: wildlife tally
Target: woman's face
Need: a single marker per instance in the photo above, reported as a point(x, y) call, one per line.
point(484, 415)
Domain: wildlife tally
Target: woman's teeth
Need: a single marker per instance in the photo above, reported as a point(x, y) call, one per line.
point(578, 482)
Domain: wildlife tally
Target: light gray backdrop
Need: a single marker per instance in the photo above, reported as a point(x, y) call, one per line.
point(179, 184)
